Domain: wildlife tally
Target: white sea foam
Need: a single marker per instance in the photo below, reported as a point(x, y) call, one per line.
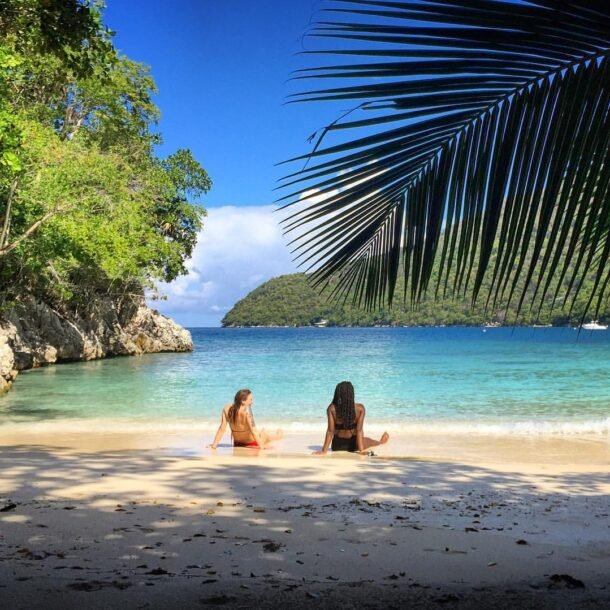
point(599, 427)
point(195, 427)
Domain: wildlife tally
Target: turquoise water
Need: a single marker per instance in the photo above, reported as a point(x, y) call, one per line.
point(542, 380)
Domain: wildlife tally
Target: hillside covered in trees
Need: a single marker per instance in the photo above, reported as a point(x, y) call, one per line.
point(290, 300)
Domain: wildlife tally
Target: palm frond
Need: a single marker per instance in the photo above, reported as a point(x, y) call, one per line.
point(483, 123)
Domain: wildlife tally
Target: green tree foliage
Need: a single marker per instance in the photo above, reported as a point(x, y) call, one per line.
point(69, 30)
point(86, 207)
point(44, 45)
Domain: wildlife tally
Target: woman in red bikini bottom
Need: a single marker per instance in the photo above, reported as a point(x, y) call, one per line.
point(345, 424)
point(238, 415)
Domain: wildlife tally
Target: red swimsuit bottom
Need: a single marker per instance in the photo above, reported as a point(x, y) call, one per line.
point(251, 444)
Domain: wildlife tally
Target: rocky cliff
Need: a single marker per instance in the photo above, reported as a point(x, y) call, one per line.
point(34, 334)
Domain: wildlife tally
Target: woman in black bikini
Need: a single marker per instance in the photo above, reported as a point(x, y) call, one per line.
point(345, 423)
point(243, 429)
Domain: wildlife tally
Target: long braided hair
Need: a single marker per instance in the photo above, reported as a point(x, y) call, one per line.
point(240, 398)
point(345, 408)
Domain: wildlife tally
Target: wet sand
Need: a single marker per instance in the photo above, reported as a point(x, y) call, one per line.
point(553, 451)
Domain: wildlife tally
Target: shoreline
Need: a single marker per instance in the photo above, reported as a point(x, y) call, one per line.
point(313, 325)
point(582, 451)
point(102, 525)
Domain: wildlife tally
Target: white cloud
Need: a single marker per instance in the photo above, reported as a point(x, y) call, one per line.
point(238, 249)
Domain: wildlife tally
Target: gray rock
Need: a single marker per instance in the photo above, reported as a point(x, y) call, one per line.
point(7, 359)
point(7, 364)
point(35, 334)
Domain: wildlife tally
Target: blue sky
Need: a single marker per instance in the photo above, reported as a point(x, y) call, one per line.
point(223, 69)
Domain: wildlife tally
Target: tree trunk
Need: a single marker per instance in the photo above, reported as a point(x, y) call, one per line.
point(7, 215)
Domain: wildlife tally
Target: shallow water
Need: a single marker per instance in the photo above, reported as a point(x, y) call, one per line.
point(530, 381)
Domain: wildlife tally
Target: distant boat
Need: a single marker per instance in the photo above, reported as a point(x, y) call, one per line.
point(321, 323)
point(594, 326)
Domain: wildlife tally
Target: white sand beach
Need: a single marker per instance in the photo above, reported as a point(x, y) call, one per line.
point(120, 522)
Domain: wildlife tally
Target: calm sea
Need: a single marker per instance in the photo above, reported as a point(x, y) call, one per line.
point(531, 381)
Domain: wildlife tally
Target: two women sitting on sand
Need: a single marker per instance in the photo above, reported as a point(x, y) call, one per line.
point(344, 431)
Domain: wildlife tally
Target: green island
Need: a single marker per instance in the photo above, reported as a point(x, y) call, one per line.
point(291, 300)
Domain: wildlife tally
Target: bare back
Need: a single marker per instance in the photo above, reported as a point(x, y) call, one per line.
point(339, 430)
point(242, 428)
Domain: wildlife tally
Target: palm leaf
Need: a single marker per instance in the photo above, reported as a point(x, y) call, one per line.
point(477, 123)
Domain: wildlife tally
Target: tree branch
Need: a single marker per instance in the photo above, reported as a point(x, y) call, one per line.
point(4, 250)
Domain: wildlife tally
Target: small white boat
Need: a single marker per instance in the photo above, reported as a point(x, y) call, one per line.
point(594, 326)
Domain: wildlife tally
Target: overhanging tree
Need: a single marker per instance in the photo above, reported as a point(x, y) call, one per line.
point(478, 122)
point(87, 209)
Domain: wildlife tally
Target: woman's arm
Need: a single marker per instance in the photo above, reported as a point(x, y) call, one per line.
point(330, 431)
point(221, 429)
point(360, 429)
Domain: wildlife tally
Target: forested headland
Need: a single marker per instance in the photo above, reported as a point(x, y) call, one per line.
point(88, 212)
point(291, 300)
point(86, 206)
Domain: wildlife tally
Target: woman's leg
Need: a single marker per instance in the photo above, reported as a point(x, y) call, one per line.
point(371, 442)
point(268, 437)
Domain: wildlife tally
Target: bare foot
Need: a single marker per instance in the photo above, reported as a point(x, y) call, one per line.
point(385, 437)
